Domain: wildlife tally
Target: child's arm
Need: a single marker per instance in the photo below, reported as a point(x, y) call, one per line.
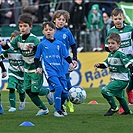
point(4, 73)
point(100, 65)
point(37, 64)
point(71, 65)
point(74, 51)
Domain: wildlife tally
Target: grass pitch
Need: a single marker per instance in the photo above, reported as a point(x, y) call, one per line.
point(86, 118)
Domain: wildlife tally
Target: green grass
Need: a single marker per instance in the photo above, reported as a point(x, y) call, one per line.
point(86, 118)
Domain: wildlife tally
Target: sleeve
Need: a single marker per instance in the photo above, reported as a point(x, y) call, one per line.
point(64, 52)
point(74, 51)
point(68, 59)
point(102, 66)
point(38, 51)
point(38, 55)
point(124, 59)
point(2, 66)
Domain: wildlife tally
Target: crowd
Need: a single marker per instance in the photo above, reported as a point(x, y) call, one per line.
point(80, 21)
point(30, 59)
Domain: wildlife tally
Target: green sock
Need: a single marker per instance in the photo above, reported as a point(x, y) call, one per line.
point(44, 91)
point(37, 101)
point(12, 99)
point(124, 105)
point(111, 101)
point(22, 97)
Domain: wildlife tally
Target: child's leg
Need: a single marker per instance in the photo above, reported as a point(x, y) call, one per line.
point(35, 99)
point(69, 86)
point(22, 97)
point(22, 101)
point(33, 84)
point(129, 91)
point(49, 95)
point(1, 108)
point(110, 100)
point(123, 103)
point(12, 97)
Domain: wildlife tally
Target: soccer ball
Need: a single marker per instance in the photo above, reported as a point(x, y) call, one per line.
point(77, 95)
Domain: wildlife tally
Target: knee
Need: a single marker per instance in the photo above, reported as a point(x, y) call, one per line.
point(12, 90)
point(31, 94)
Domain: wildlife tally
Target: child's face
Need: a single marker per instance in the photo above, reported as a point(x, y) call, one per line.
point(60, 22)
point(95, 11)
point(118, 21)
point(24, 28)
point(113, 45)
point(49, 32)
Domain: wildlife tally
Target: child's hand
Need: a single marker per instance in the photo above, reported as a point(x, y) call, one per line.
point(39, 71)
point(97, 64)
point(29, 47)
point(75, 64)
point(4, 74)
point(132, 53)
point(71, 67)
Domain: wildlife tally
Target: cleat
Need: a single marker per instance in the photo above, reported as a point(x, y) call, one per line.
point(42, 112)
point(121, 110)
point(22, 105)
point(58, 114)
point(1, 109)
point(130, 96)
point(70, 106)
point(64, 113)
point(126, 113)
point(50, 98)
point(64, 107)
point(12, 109)
point(110, 112)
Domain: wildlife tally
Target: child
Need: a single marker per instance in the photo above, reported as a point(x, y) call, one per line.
point(16, 73)
point(118, 64)
point(4, 74)
point(27, 43)
point(52, 52)
point(60, 18)
point(94, 26)
point(125, 32)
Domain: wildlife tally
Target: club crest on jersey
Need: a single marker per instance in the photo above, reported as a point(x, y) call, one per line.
point(64, 36)
point(115, 61)
point(58, 47)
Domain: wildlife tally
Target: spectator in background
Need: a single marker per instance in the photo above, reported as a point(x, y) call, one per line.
point(107, 24)
point(43, 10)
point(77, 20)
point(31, 9)
point(11, 10)
point(94, 26)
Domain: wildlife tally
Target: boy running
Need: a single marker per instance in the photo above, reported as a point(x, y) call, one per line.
point(16, 75)
point(27, 43)
point(60, 18)
point(126, 34)
point(53, 53)
point(119, 66)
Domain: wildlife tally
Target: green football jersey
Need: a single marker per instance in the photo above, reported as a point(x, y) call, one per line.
point(27, 55)
point(126, 41)
point(16, 63)
point(117, 63)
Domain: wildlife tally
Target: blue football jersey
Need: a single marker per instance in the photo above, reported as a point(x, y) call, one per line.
point(53, 54)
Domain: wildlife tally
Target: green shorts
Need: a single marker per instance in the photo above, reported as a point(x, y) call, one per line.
point(33, 81)
point(115, 88)
point(15, 83)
